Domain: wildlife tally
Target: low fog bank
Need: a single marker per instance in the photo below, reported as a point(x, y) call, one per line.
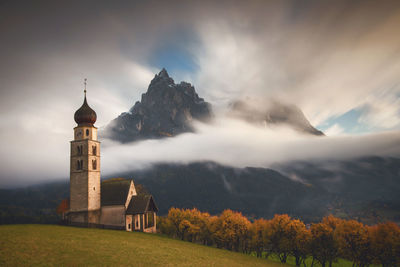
point(226, 141)
point(239, 144)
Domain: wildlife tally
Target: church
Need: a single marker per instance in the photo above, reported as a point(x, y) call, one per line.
point(112, 203)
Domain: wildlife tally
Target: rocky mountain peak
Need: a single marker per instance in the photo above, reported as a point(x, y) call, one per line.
point(161, 78)
point(163, 73)
point(166, 109)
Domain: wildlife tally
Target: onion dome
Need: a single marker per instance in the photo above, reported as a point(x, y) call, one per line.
point(85, 115)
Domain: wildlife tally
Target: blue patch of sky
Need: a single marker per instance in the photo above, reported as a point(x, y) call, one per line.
point(349, 121)
point(173, 52)
point(174, 58)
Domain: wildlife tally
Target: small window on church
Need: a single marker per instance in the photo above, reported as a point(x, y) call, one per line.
point(94, 188)
point(137, 224)
point(80, 150)
point(129, 226)
point(79, 164)
point(94, 164)
point(94, 148)
point(87, 132)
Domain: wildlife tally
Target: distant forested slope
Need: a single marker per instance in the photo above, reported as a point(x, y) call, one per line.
point(364, 189)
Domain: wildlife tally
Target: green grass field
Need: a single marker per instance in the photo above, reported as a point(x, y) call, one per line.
point(50, 245)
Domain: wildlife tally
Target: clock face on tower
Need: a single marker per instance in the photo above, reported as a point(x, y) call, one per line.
point(79, 134)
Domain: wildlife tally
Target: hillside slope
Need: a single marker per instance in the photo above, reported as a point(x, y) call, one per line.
point(208, 186)
point(365, 189)
point(49, 245)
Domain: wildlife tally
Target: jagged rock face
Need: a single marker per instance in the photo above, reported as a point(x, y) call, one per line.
point(167, 109)
point(274, 113)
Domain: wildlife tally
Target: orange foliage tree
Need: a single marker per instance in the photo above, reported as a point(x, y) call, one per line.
point(279, 235)
point(63, 207)
point(257, 233)
point(284, 236)
point(231, 231)
point(300, 242)
point(354, 242)
point(323, 245)
point(385, 238)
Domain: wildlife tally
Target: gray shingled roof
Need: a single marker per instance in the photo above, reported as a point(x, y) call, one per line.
point(114, 191)
point(141, 204)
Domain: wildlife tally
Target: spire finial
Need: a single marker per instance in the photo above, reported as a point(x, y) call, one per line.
point(85, 82)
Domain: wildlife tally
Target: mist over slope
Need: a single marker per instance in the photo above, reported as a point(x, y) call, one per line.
point(364, 188)
point(273, 113)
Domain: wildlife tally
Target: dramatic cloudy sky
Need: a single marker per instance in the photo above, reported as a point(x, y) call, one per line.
point(339, 61)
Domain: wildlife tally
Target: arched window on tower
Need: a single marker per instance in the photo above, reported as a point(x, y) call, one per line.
point(94, 164)
point(94, 148)
point(87, 132)
point(79, 150)
point(78, 165)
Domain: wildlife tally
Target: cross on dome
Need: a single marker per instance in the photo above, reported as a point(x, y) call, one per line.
point(85, 115)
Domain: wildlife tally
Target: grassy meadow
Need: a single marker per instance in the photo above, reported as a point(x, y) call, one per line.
point(51, 245)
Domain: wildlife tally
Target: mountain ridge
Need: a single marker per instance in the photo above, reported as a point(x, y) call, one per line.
point(166, 109)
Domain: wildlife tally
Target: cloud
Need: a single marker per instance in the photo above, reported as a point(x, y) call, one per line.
point(335, 129)
point(382, 111)
point(236, 143)
point(345, 61)
point(326, 57)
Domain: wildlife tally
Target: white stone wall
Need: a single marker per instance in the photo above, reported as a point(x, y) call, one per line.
point(131, 193)
point(78, 191)
point(94, 194)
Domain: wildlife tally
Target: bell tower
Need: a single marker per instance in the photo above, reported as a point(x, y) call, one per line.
point(85, 167)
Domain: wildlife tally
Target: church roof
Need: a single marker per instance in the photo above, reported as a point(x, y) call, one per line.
point(114, 191)
point(85, 115)
point(141, 204)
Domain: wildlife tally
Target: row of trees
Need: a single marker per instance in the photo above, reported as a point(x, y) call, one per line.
point(282, 236)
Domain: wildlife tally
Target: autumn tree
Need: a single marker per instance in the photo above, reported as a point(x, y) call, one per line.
point(354, 242)
point(231, 230)
point(278, 236)
point(63, 207)
point(323, 245)
point(385, 239)
point(192, 224)
point(175, 218)
point(164, 226)
point(256, 233)
point(205, 234)
point(300, 240)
